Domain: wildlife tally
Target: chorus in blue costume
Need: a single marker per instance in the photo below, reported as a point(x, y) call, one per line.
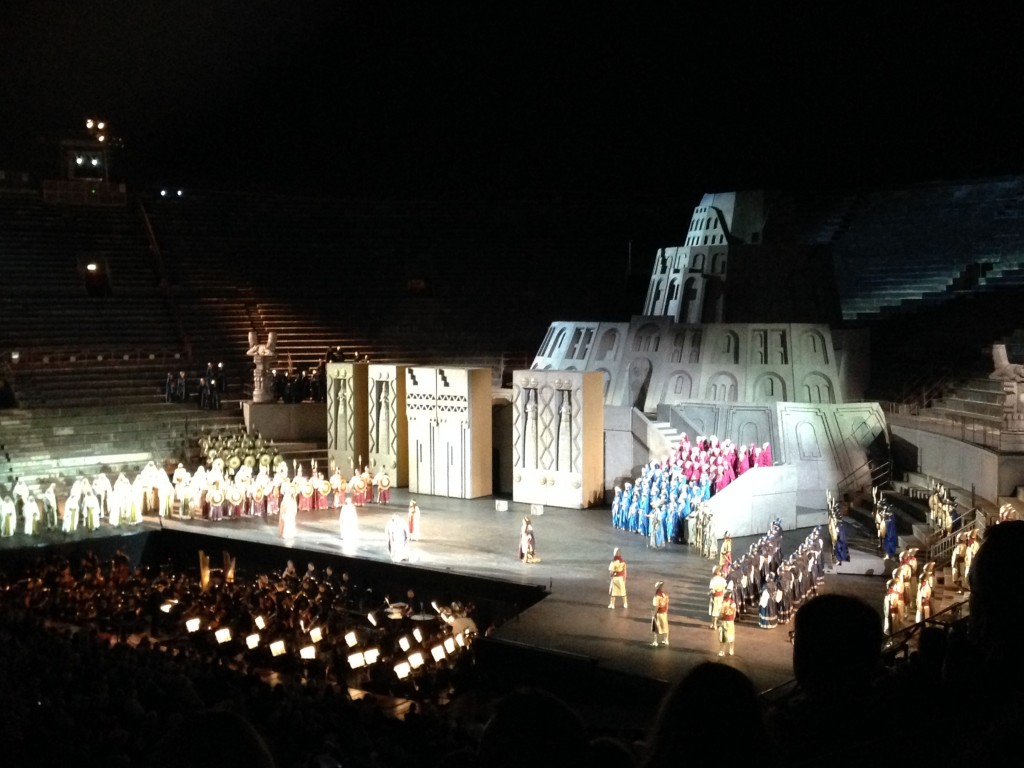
point(671, 518)
point(645, 512)
point(705, 487)
point(633, 521)
point(841, 549)
point(891, 542)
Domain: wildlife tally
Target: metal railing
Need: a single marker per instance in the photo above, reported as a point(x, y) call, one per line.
point(902, 643)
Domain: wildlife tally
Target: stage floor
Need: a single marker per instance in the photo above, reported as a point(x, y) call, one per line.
point(471, 537)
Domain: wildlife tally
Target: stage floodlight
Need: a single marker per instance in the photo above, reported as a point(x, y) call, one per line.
point(79, 160)
point(163, 193)
point(89, 124)
point(418, 635)
point(402, 669)
point(101, 137)
point(371, 655)
point(260, 623)
point(315, 635)
point(223, 635)
point(416, 660)
point(403, 643)
point(192, 625)
point(179, 193)
point(309, 652)
point(449, 645)
point(350, 638)
point(253, 640)
point(101, 125)
point(16, 356)
point(356, 660)
point(92, 266)
point(95, 161)
point(437, 652)
point(277, 648)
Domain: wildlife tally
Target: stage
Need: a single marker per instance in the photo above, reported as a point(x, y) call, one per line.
point(570, 632)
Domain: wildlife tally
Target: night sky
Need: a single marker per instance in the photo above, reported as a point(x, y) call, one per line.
point(465, 100)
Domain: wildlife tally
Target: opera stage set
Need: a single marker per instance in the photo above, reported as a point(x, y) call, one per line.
point(754, 329)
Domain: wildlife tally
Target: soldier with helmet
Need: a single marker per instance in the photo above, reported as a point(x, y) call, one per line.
point(617, 588)
point(659, 622)
point(727, 625)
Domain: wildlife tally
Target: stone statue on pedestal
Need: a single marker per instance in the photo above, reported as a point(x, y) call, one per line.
point(1012, 376)
point(262, 380)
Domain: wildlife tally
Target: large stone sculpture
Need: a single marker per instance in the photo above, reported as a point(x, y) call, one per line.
point(1012, 377)
point(262, 354)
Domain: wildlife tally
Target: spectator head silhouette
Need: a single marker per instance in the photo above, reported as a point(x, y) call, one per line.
point(837, 646)
point(211, 739)
point(534, 717)
point(680, 737)
point(996, 599)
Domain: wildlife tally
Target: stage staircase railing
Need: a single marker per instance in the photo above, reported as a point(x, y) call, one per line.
point(865, 475)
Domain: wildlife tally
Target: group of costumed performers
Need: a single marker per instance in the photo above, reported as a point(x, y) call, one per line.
point(90, 503)
point(667, 492)
point(785, 584)
point(763, 584)
point(908, 593)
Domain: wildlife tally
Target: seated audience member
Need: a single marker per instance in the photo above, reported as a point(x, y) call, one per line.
point(681, 734)
point(837, 660)
point(535, 727)
point(211, 739)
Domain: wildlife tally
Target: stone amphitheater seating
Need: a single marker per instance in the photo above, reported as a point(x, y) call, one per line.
point(908, 247)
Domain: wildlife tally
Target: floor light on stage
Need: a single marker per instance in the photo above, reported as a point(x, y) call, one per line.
point(316, 635)
point(356, 660)
point(309, 652)
point(253, 640)
point(402, 670)
point(223, 635)
point(435, 606)
point(403, 643)
point(351, 639)
point(416, 660)
point(277, 648)
point(449, 645)
point(371, 655)
point(168, 606)
point(260, 623)
point(418, 635)
point(192, 625)
point(372, 618)
point(437, 652)
point(460, 640)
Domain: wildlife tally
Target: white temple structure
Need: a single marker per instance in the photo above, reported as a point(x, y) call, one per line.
point(678, 368)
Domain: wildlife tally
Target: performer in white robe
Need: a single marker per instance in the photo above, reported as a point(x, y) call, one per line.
point(69, 520)
point(121, 501)
point(50, 505)
point(31, 511)
point(138, 500)
point(8, 517)
point(348, 520)
point(91, 510)
point(102, 488)
point(289, 511)
point(398, 539)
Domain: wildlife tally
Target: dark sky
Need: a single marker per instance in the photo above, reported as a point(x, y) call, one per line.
point(463, 100)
